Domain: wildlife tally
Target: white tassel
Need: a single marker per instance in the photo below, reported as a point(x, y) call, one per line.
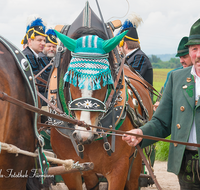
point(32, 18)
point(135, 19)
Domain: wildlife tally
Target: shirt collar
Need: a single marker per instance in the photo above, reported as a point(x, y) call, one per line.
point(34, 52)
point(131, 52)
point(193, 72)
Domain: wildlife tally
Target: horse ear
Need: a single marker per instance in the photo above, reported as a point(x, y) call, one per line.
point(109, 45)
point(68, 42)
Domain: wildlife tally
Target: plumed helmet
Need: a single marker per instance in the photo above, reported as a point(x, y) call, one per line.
point(36, 26)
point(130, 24)
point(51, 37)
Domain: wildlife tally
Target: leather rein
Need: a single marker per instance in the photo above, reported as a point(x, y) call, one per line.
point(5, 97)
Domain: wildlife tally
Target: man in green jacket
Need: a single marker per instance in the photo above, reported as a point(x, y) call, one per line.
point(179, 115)
point(185, 60)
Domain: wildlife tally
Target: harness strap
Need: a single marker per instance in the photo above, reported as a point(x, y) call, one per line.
point(115, 84)
point(148, 167)
point(49, 103)
point(36, 76)
point(42, 80)
point(145, 82)
point(106, 145)
point(133, 156)
point(145, 112)
point(113, 115)
point(134, 118)
point(61, 47)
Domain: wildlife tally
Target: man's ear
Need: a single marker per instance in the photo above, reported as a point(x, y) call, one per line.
point(125, 45)
point(29, 40)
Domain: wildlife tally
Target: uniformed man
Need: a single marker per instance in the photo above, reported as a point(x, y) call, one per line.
point(183, 54)
point(36, 43)
point(179, 115)
point(51, 44)
point(135, 57)
point(129, 48)
point(49, 51)
point(185, 60)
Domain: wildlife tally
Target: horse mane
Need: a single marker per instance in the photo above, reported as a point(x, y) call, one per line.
point(84, 31)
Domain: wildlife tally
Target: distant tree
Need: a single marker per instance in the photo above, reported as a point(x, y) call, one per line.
point(154, 59)
point(171, 64)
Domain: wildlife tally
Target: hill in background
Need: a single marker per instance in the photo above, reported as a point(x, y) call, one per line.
point(164, 57)
point(164, 61)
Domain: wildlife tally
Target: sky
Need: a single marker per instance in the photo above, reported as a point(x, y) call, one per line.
point(164, 22)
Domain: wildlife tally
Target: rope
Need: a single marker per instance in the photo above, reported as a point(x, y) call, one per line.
point(68, 164)
point(121, 16)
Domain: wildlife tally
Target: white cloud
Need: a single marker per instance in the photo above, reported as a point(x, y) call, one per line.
point(164, 22)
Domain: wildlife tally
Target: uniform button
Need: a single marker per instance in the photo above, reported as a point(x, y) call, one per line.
point(175, 144)
point(182, 108)
point(188, 79)
point(178, 126)
point(184, 87)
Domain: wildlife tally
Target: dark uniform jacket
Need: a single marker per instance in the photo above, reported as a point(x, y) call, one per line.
point(37, 65)
point(175, 116)
point(140, 62)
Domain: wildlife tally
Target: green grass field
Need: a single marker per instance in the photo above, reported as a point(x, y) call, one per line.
point(159, 77)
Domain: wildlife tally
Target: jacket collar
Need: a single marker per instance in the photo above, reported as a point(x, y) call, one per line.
point(188, 88)
point(130, 54)
point(196, 79)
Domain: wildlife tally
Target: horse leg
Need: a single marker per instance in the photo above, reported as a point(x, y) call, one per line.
point(117, 176)
point(73, 181)
point(132, 183)
point(91, 181)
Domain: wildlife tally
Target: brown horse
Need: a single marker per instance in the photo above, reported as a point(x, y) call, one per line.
point(115, 167)
point(16, 124)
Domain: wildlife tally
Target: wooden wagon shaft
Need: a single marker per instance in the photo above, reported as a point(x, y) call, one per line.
point(5, 97)
point(59, 170)
point(15, 150)
point(67, 165)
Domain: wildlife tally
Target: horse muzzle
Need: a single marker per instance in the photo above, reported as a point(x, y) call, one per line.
point(85, 137)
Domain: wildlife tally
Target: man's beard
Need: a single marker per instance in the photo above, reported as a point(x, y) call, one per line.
point(51, 54)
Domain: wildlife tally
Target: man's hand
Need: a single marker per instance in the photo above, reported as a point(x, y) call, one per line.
point(155, 106)
point(133, 140)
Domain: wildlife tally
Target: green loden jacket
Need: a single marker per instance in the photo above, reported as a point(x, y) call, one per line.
point(175, 116)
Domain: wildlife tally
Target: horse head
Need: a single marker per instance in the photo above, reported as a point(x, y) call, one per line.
point(89, 76)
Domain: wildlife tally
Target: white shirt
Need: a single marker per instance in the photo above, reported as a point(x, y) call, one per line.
point(131, 52)
point(36, 55)
point(193, 135)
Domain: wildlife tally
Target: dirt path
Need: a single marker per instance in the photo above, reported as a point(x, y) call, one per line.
point(167, 181)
